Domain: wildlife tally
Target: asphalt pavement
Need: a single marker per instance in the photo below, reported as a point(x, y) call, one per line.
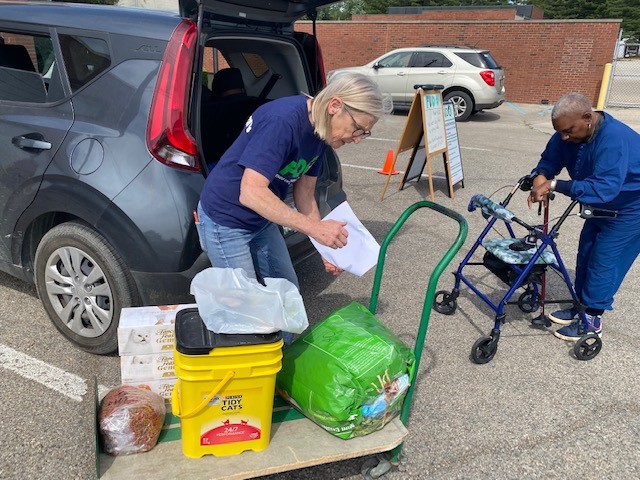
point(534, 411)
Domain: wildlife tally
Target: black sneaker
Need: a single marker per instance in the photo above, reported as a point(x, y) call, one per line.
point(564, 317)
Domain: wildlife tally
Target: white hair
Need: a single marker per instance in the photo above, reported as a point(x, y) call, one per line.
point(570, 103)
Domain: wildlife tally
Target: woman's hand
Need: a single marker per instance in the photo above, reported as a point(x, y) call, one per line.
point(331, 268)
point(539, 191)
point(330, 233)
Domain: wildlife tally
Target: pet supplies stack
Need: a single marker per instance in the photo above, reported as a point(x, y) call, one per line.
point(146, 337)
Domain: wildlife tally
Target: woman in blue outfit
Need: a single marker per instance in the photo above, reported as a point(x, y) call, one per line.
point(602, 157)
point(242, 203)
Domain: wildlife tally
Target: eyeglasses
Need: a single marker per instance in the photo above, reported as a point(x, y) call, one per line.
point(359, 131)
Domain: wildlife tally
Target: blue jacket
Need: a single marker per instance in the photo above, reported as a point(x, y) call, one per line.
point(605, 171)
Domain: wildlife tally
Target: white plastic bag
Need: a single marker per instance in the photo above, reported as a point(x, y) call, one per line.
point(231, 302)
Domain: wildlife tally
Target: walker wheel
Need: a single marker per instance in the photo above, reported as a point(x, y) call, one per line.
point(528, 302)
point(588, 346)
point(447, 304)
point(484, 350)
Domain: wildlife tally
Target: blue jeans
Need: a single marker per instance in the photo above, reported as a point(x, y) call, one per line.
point(262, 254)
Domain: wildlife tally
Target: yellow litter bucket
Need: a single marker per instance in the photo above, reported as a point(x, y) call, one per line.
point(225, 388)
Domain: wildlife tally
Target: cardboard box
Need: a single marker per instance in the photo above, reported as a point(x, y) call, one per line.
point(161, 387)
point(153, 366)
point(145, 330)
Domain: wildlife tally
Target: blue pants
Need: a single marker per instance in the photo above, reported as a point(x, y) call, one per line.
point(262, 254)
point(607, 249)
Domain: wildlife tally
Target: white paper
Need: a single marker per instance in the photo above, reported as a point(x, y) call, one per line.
point(361, 251)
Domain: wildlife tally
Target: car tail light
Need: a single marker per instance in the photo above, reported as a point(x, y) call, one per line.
point(168, 137)
point(489, 77)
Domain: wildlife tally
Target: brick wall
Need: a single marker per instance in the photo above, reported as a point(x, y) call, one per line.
point(542, 59)
point(447, 14)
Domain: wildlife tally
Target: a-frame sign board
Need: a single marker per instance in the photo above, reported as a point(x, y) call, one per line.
point(425, 130)
point(453, 158)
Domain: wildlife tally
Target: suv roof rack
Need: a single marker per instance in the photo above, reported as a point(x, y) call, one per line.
point(450, 46)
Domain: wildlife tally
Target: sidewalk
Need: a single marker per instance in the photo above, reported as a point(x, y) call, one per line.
point(538, 117)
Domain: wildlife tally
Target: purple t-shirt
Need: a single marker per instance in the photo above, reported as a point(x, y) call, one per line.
point(278, 142)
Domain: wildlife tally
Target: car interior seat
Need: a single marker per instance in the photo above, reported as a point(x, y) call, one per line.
point(223, 117)
point(19, 80)
point(15, 56)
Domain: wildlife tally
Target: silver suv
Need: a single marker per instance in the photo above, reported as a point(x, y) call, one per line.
point(471, 78)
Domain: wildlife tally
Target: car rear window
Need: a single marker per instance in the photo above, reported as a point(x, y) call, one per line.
point(85, 58)
point(480, 59)
point(256, 63)
point(430, 60)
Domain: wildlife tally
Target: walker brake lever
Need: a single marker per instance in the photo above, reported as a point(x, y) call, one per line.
point(526, 182)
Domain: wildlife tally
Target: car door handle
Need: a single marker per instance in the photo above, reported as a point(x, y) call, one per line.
point(33, 141)
point(442, 72)
point(401, 74)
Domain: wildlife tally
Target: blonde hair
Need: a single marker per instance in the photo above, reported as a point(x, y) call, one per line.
point(358, 92)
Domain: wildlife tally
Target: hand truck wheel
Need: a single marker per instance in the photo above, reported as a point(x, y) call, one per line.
point(375, 467)
point(529, 301)
point(588, 346)
point(447, 304)
point(484, 350)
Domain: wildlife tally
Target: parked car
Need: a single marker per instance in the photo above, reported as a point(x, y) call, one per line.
point(102, 165)
point(471, 78)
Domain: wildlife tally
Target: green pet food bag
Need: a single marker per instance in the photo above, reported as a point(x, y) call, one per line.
point(349, 373)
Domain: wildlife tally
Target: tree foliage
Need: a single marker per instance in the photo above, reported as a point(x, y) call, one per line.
point(627, 10)
point(101, 2)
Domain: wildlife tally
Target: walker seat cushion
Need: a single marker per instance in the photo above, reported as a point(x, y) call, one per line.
point(500, 248)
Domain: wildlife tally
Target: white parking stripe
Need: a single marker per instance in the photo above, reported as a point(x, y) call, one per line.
point(376, 169)
point(51, 377)
point(383, 139)
point(359, 166)
point(478, 149)
point(396, 140)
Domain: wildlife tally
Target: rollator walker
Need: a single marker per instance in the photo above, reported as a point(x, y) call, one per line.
point(521, 263)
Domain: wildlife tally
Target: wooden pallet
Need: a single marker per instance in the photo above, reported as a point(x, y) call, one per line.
point(296, 442)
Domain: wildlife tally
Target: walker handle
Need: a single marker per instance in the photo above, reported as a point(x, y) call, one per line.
point(175, 401)
point(489, 207)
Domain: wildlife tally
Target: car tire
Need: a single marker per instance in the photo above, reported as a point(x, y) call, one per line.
point(462, 104)
point(83, 283)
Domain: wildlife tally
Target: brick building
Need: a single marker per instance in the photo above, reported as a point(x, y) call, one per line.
point(542, 59)
point(513, 12)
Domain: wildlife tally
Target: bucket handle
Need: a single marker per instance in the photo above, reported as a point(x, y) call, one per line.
point(175, 400)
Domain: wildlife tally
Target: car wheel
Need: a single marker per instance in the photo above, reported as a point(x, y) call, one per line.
point(83, 283)
point(462, 104)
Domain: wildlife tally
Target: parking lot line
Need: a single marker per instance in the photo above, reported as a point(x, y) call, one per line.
point(376, 169)
point(516, 108)
point(63, 382)
point(477, 149)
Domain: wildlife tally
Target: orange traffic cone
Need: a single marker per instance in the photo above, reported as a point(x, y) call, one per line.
point(388, 168)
